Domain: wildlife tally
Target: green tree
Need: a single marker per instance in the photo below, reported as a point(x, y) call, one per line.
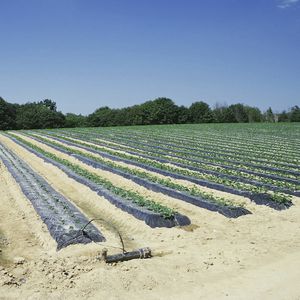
point(7, 115)
point(102, 117)
point(269, 116)
point(229, 115)
point(49, 104)
point(284, 117)
point(183, 115)
point(36, 115)
point(136, 115)
point(73, 120)
point(295, 114)
point(253, 113)
point(239, 112)
point(200, 112)
point(219, 112)
point(159, 111)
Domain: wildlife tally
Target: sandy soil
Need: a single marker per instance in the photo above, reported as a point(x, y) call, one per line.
point(253, 257)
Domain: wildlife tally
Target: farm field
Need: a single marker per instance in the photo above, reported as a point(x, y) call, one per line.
point(219, 205)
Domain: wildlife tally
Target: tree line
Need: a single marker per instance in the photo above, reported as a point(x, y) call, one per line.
point(44, 114)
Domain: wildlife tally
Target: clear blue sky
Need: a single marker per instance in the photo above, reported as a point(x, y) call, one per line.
point(84, 54)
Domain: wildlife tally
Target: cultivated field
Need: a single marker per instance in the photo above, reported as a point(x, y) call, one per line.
point(219, 205)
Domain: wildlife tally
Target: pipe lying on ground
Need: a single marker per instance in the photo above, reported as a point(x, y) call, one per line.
point(140, 253)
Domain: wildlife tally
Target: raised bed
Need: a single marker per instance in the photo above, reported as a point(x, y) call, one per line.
point(228, 211)
point(258, 198)
point(204, 155)
point(151, 218)
point(63, 220)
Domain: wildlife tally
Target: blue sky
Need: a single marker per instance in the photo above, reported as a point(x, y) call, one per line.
point(84, 54)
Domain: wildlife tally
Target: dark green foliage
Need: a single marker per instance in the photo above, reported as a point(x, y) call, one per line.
point(7, 115)
point(291, 116)
point(200, 112)
point(103, 116)
point(283, 117)
point(219, 113)
point(51, 105)
point(73, 120)
point(229, 115)
point(134, 115)
point(158, 111)
point(236, 113)
point(44, 114)
point(32, 115)
point(183, 115)
point(253, 113)
point(295, 114)
point(37, 115)
point(269, 116)
point(239, 113)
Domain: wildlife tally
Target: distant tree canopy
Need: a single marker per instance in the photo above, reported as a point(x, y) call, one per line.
point(73, 120)
point(269, 116)
point(238, 111)
point(158, 111)
point(7, 115)
point(32, 115)
point(38, 115)
point(219, 113)
point(283, 117)
point(254, 114)
point(103, 116)
point(49, 104)
point(44, 114)
point(200, 112)
point(295, 114)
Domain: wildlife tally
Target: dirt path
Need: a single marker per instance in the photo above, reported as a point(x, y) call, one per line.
point(278, 279)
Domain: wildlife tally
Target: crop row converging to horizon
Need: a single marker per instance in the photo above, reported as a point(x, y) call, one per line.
point(157, 174)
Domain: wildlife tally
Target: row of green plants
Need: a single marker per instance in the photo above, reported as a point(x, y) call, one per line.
point(263, 138)
point(282, 152)
point(129, 195)
point(240, 171)
point(187, 157)
point(231, 144)
point(167, 182)
point(214, 149)
point(203, 154)
point(217, 147)
point(275, 196)
point(237, 173)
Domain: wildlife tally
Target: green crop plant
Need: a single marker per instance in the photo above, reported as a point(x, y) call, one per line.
point(136, 198)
